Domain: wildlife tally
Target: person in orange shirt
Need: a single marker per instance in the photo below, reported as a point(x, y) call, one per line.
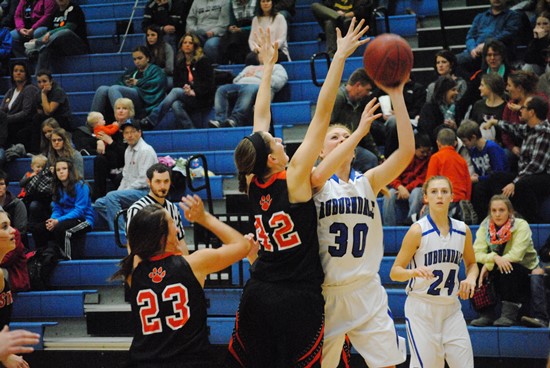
point(97, 122)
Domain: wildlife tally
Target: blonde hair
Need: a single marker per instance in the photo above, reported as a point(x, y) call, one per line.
point(127, 103)
point(433, 178)
point(39, 160)
point(93, 118)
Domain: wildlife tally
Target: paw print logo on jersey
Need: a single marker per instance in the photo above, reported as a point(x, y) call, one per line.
point(265, 202)
point(157, 275)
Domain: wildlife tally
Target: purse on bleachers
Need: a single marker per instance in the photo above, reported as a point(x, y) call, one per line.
point(484, 296)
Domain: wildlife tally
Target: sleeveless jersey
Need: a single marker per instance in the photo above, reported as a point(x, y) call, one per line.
point(443, 255)
point(168, 311)
point(287, 233)
point(349, 227)
point(6, 303)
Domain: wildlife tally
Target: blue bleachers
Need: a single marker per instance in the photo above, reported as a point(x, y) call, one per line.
point(50, 304)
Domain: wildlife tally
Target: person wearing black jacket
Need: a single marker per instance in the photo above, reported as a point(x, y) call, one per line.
point(169, 15)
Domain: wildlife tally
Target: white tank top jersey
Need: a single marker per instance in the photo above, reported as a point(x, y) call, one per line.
point(443, 255)
point(346, 214)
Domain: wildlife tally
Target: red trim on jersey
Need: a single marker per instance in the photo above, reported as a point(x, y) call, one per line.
point(313, 348)
point(236, 336)
point(158, 257)
point(280, 175)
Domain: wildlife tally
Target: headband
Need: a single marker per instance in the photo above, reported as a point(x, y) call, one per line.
point(261, 153)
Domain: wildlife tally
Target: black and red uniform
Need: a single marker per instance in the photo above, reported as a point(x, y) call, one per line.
point(280, 320)
point(6, 303)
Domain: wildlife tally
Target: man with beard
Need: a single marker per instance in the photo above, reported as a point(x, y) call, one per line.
point(159, 177)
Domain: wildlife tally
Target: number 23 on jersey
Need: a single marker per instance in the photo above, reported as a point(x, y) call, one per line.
point(149, 309)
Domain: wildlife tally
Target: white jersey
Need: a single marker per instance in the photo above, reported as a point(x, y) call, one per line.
point(346, 213)
point(443, 255)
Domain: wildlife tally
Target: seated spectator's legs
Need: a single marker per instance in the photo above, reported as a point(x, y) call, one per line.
point(211, 47)
point(171, 39)
point(61, 43)
point(481, 195)
point(329, 19)
point(242, 110)
point(529, 193)
point(513, 286)
point(39, 211)
point(18, 41)
point(65, 230)
point(539, 308)
point(108, 206)
point(183, 120)
point(391, 140)
point(101, 100)
point(364, 160)
point(158, 112)
point(393, 209)
point(466, 63)
point(116, 91)
point(416, 200)
point(221, 100)
point(41, 235)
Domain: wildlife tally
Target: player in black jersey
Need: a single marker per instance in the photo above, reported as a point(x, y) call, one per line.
point(8, 345)
point(280, 321)
point(166, 288)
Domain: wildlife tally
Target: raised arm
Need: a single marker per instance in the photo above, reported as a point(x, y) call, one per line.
point(383, 174)
point(235, 245)
point(302, 162)
point(268, 53)
point(334, 159)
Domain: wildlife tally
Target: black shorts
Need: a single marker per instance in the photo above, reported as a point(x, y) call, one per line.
point(278, 325)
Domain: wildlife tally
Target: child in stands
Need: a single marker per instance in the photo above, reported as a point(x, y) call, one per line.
point(38, 162)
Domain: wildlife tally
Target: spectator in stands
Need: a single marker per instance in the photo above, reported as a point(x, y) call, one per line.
point(415, 98)
point(61, 146)
point(12, 342)
point(162, 53)
point(505, 241)
point(208, 20)
point(159, 180)
point(287, 8)
point(234, 43)
point(445, 65)
point(14, 264)
point(535, 59)
point(194, 86)
point(169, 16)
point(68, 36)
point(405, 198)
point(351, 99)
point(498, 23)
point(72, 212)
point(531, 184)
point(32, 19)
point(448, 162)
point(332, 14)
point(495, 61)
point(439, 112)
point(109, 160)
point(244, 88)
point(267, 17)
point(487, 158)
point(18, 107)
point(97, 122)
point(15, 208)
point(38, 163)
point(47, 127)
point(492, 104)
point(87, 135)
point(138, 157)
point(5, 50)
point(7, 19)
point(145, 86)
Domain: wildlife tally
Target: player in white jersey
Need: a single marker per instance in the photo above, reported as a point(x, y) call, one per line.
point(350, 240)
point(433, 249)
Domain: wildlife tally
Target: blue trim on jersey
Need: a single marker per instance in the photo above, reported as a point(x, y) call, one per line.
point(352, 174)
point(436, 229)
point(394, 328)
point(459, 232)
point(412, 264)
point(413, 343)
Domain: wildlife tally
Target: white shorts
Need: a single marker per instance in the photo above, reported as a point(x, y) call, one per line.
point(360, 310)
point(437, 333)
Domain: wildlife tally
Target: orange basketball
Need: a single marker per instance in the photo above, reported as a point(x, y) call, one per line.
point(388, 60)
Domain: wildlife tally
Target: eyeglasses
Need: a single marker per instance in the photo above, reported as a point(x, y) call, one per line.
point(57, 140)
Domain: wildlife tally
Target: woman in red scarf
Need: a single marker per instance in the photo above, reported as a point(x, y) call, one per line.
point(504, 247)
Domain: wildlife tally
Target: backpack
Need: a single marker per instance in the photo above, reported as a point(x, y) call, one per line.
point(40, 265)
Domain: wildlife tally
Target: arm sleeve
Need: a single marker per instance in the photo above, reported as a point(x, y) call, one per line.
point(147, 160)
point(522, 239)
point(18, 17)
point(5, 49)
point(481, 248)
point(473, 32)
point(49, 9)
point(279, 78)
point(81, 203)
point(29, 96)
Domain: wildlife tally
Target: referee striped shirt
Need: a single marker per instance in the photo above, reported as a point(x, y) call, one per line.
point(169, 206)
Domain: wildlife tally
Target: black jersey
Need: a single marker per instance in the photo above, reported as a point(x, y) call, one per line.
point(287, 233)
point(168, 312)
point(6, 302)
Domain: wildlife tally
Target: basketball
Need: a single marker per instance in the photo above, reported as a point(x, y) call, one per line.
point(388, 60)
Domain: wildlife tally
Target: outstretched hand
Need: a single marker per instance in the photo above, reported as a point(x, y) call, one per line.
point(15, 342)
point(348, 44)
point(267, 52)
point(368, 116)
point(193, 208)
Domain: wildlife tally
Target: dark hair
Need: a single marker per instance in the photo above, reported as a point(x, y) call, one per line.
point(198, 53)
point(539, 105)
point(147, 234)
point(4, 176)
point(447, 55)
point(422, 140)
point(45, 72)
point(443, 85)
point(446, 137)
point(259, 12)
point(158, 168)
point(73, 179)
point(245, 160)
point(28, 79)
point(497, 46)
point(45, 143)
point(495, 83)
point(360, 75)
point(468, 128)
point(157, 50)
point(524, 79)
point(67, 149)
point(144, 50)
